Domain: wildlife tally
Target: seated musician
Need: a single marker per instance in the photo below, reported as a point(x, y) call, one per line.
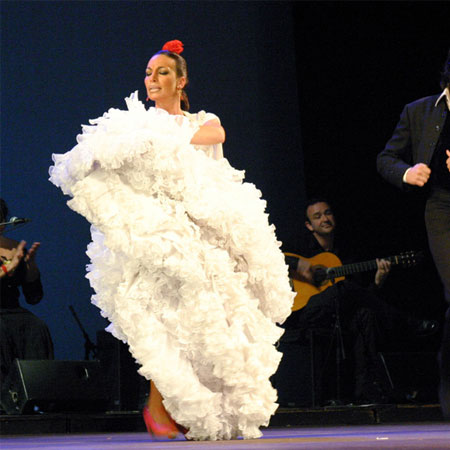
point(363, 314)
point(22, 334)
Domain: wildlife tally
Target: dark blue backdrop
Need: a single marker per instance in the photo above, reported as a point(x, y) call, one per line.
point(348, 66)
point(66, 62)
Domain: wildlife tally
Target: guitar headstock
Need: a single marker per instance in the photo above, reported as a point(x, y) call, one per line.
point(409, 259)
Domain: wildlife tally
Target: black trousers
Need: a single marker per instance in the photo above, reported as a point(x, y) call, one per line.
point(437, 220)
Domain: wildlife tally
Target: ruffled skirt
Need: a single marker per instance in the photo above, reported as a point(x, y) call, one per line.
point(184, 265)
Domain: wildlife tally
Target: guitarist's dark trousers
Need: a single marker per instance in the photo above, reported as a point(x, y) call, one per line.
point(364, 317)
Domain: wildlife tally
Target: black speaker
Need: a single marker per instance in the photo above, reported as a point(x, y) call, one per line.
point(53, 386)
point(127, 390)
point(300, 377)
point(412, 376)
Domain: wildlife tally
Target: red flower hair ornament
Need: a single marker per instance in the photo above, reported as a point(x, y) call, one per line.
point(173, 46)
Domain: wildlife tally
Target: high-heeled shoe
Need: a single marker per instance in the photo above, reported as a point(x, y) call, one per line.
point(181, 429)
point(158, 430)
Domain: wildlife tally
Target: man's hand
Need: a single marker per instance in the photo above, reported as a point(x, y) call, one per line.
point(447, 161)
point(304, 272)
point(419, 174)
point(384, 267)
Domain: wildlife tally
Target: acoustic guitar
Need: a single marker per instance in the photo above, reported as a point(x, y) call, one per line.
point(327, 269)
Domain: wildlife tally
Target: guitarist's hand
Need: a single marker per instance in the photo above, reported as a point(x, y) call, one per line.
point(384, 267)
point(304, 271)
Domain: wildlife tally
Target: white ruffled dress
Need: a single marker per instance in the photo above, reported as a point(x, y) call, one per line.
point(184, 265)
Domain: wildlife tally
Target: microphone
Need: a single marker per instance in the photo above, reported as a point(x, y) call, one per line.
point(19, 220)
point(16, 221)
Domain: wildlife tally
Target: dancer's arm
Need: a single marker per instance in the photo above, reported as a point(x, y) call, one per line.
point(210, 133)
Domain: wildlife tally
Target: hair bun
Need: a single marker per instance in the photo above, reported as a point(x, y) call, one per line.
point(174, 46)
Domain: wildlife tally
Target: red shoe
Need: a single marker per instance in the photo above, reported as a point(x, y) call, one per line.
point(158, 430)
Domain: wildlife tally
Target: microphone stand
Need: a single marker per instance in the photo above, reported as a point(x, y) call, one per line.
point(89, 346)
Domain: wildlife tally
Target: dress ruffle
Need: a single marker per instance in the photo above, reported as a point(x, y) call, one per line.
point(184, 265)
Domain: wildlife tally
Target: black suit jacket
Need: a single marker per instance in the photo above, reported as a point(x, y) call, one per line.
point(414, 138)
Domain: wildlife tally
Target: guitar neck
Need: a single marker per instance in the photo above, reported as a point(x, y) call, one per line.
point(349, 269)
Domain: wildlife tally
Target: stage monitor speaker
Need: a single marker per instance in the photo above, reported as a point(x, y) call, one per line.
point(301, 377)
point(127, 390)
point(53, 386)
point(412, 376)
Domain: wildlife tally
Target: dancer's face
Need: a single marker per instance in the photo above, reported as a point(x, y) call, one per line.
point(161, 80)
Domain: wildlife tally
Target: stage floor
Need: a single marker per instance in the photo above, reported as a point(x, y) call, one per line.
point(415, 436)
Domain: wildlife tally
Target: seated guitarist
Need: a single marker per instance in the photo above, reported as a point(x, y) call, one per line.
point(363, 314)
point(321, 223)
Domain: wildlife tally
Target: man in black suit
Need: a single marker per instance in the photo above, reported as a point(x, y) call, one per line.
point(418, 157)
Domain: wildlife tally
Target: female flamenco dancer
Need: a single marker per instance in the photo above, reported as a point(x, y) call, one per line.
point(184, 263)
